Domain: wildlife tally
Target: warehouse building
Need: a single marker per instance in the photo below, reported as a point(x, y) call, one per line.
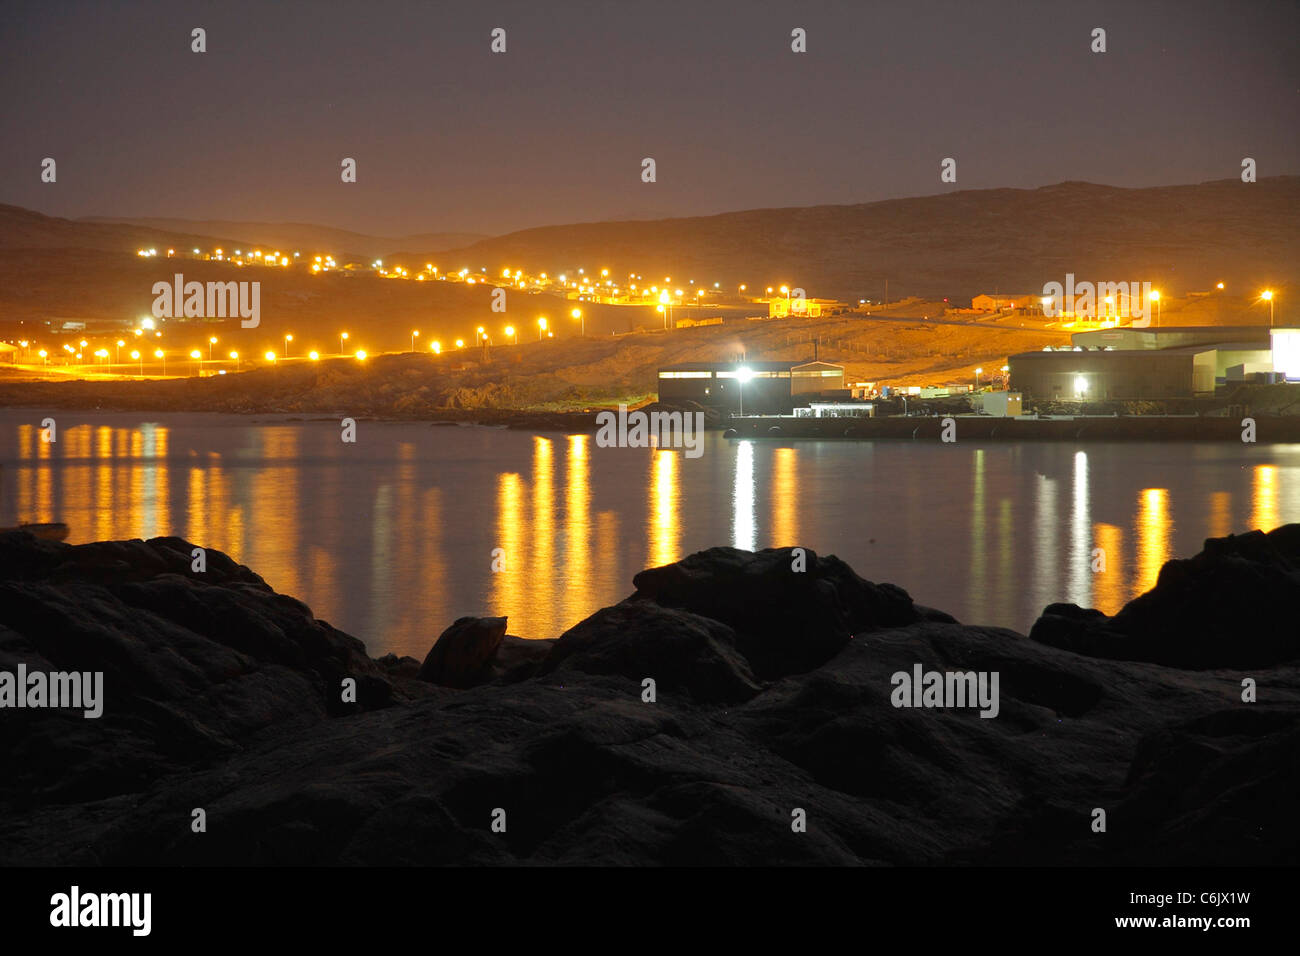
point(1170, 337)
point(1150, 364)
point(1069, 375)
point(761, 388)
point(1007, 301)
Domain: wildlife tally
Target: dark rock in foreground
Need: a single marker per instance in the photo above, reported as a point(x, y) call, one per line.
point(773, 693)
point(1232, 605)
point(464, 652)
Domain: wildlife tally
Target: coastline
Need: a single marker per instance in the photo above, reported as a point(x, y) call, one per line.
point(772, 691)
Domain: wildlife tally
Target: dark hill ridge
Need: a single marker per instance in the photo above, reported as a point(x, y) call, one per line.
point(1180, 238)
point(773, 693)
point(301, 236)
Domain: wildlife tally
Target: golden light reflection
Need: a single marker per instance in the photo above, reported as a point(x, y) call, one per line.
point(1108, 585)
point(1152, 537)
point(785, 498)
point(662, 526)
point(509, 592)
point(542, 571)
point(1220, 514)
point(1263, 513)
point(577, 579)
point(105, 502)
point(197, 530)
point(607, 541)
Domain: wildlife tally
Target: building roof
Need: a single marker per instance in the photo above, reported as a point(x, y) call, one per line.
point(1264, 346)
point(1152, 355)
point(1181, 330)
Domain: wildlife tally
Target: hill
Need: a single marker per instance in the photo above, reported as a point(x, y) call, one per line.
point(1181, 238)
point(301, 236)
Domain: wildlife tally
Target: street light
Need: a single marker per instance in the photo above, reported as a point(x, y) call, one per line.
point(460, 343)
point(45, 357)
point(436, 346)
point(212, 340)
point(135, 354)
point(313, 355)
point(415, 334)
point(235, 357)
point(160, 354)
point(1267, 296)
point(541, 328)
point(270, 356)
point(287, 340)
point(510, 333)
point(117, 359)
point(577, 314)
point(343, 337)
point(1155, 297)
point(977, 378)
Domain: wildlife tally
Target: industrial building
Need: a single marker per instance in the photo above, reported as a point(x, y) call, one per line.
point(1169, 337)
point(759, 388)
point(1074, 375)
point(1012, 301)
point(1155, 363)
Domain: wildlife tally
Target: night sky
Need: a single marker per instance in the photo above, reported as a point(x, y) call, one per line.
point(450, 137)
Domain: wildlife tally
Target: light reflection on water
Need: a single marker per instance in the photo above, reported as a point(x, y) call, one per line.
point(395, 536)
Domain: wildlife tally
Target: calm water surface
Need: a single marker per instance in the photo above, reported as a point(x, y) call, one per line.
point(392, 538)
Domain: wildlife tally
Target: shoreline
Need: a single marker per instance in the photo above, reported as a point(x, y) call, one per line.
point(769, 690)
point(1269, 429)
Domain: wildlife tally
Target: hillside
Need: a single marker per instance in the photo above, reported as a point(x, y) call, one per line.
point(555, 375)
point(301, 236)
point(1181, 238)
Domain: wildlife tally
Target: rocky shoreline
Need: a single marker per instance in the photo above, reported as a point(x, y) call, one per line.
point(773, 694)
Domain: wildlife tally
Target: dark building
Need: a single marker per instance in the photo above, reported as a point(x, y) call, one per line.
point(1144, 363)
point(1170, 337)
point(760, 388)
point(1068, 375)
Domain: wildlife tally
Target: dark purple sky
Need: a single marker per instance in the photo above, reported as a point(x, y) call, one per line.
point(451, 137)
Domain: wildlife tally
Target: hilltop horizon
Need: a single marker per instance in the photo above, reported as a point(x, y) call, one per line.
point(946, 244)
